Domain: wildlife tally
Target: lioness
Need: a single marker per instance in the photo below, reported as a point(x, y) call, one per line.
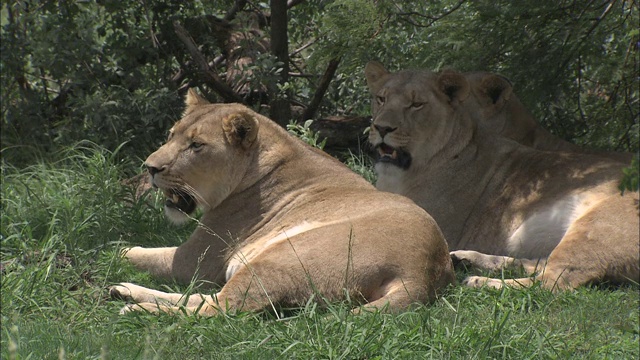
point(281, 222)
point(559, 215)
point(496, 106)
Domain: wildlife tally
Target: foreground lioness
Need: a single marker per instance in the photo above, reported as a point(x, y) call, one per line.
point(281, 222)
point(495, 105)
point(491, 195)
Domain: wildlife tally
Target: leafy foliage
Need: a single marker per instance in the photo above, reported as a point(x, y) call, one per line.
point(304, 133)
point(631, 176)
point(575, 64)
point(85, 70)
point(113, 72)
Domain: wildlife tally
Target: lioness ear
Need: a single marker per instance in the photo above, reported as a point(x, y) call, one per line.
point(375, 74)
point(454, 85)
point(497, 88)
point(241, 129)
point(192, 101)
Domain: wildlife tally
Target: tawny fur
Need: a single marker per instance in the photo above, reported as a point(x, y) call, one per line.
point(499, 203)
point(498, 109)
point(282, 222)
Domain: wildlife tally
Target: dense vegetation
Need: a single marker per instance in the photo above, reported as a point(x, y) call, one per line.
point(89, 88)
point(113, 72)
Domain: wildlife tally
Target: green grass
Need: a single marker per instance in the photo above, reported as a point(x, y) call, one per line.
point(63, 224)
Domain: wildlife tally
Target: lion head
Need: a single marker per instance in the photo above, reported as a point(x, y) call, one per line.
point(498, 109)
point(217, 135)
point(412, 115)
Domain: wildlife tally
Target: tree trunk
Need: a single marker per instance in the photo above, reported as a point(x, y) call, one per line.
point(280, 110)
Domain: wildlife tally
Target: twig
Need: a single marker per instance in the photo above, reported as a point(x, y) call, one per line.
point(406, 16)
point(292, 3)
point(296, 51)
point(210, 76)
point(310, 111)
point(238, 5)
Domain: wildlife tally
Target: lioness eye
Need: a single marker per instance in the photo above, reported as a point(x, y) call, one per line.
point(380, 99)
point(417, 105)
point(195, 145)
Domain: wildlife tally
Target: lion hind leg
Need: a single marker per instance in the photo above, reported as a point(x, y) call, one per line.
point(601, 245)
point(394, 296)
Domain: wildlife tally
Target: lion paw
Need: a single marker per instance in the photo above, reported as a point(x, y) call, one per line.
point(127, 309)
point(481, 281)
point(120, 292)
point(125, 251)
point(142, 307)
point(461, 258)
point(470, 259)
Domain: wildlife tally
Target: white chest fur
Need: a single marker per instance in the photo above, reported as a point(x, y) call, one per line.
point(541, 232)
point(389, 178)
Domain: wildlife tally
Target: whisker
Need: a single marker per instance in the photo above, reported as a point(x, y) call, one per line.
point(193, 192)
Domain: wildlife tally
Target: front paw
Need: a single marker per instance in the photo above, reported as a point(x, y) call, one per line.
point(481, 281)
point(474, 281)
point(121, 291)
point(155, 308)
point(142, 307)
point(125, 251)
point(127, 309)
point(462, 258)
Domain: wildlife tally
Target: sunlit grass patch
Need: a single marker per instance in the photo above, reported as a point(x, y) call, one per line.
point(64, 224)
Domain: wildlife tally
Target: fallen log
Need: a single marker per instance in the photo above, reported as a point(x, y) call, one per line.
point(343, 133)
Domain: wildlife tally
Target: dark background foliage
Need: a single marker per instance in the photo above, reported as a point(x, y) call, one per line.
point(116, 71)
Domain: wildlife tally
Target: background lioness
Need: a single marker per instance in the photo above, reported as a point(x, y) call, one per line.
point(493, 102)
point(281, 222)
point(492, 195)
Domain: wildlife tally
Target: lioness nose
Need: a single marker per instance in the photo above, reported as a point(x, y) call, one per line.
point(384, 130)
point(154, 170)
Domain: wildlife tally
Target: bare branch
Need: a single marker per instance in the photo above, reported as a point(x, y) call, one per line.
point(406, 16)
point(301, 48)
point(310, 111)
point(238, 6)
point(209, 75)
point(292, 3)
point(301, 75)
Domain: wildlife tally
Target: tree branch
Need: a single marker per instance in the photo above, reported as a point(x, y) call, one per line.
point(210, 76)
point(406, 16)
point(298, 50)
point(238, 5)
point(292, 3)
point(311, 110)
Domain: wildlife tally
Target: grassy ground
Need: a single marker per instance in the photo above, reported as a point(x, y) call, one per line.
point(63, 224)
